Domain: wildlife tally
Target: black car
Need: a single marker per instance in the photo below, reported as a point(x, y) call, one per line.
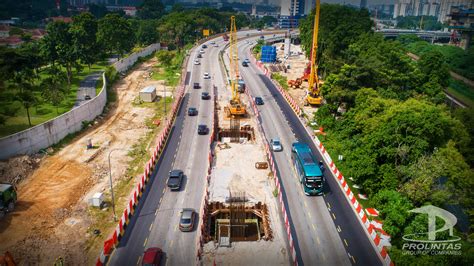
point(192, 111)
point(203, 130)
point(87, 97)
point(205, 95)
point(204, 46)
point(175, 179)
point(259, 100)
point(245, 64)
point(196, 85)
point(199, 56)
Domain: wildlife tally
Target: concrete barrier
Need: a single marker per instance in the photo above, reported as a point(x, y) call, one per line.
point(44, 135)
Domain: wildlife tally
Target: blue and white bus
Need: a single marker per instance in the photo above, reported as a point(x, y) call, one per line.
point(307, 169)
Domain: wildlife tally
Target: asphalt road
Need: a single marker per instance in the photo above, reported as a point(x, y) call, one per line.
point(87, 87)
point(326, 228)
point(155, 222)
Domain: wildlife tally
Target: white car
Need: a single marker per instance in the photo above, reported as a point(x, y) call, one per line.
point(216, 45)
point(213, 42)
point(206, 75)
point(201, 51)
point(276, 144)
point(196, 62)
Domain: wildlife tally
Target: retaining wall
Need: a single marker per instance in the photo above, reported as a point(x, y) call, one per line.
point(44, 135)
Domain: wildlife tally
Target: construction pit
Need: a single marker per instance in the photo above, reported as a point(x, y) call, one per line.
point(243, 225)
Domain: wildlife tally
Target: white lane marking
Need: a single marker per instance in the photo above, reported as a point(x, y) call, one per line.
point(339, 229)
point(144, 243)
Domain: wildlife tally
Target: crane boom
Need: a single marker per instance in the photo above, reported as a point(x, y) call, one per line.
point(234, 66)
point(235, 107)
point(313, 96)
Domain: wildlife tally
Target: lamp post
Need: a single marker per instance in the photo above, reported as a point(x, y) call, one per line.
point(111, 186)
point(164, 101)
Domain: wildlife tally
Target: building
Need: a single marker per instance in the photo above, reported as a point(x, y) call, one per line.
point(462, 20)
point(292, 10)
point(436, 8)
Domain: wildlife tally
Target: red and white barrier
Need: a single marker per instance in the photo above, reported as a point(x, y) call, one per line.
point(119, 231)
point(276, 178)
point(294, 105)
point(358, 208)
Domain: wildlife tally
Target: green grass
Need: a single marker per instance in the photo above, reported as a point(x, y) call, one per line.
point(282, 80)
point(170, 76)
point(461, 91)
point(16, 117)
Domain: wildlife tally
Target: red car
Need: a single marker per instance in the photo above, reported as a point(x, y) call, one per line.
point(152, 256)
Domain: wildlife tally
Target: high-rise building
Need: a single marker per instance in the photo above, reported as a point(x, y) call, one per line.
point(292, 10)
point(437, 8)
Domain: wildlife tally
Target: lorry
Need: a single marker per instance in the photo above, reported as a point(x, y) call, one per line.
point(8, 198)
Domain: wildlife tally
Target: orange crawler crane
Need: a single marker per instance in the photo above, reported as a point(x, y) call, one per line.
point(313, 96)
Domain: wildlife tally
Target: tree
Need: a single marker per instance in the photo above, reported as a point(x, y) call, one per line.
point(99, 11)
point(393, 209)
point(115, 34)
point(147, 32)
point(58, 47)
point(151, 9)
point(433, 65)
point(84, 34)
point(53, 89)
point(26, 98)
point(339, 26)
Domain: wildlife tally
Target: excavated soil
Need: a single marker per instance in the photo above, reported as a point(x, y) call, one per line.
point(51, 219)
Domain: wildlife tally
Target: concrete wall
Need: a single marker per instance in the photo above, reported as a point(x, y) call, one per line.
point(32, 140)
point(123, 64)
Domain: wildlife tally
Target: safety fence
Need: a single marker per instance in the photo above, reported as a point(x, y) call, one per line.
point(140, 187)
point(276, 177)
point(294, 105)
point(357, 207)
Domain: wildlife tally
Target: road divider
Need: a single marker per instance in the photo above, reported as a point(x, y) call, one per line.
point(276, 177)
point(356, 206)
point(292, 102)
point(112, 242)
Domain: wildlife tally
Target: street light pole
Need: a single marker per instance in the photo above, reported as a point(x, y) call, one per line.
point(111, 186)
point(164, 101)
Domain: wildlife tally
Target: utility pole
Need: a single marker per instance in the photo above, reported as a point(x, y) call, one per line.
point(111, 185)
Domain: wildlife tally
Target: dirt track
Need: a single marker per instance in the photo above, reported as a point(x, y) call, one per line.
point(51, 218)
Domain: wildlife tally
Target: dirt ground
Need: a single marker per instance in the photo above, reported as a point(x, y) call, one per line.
point(235, 170)
point(297, 62)
point(51, 218)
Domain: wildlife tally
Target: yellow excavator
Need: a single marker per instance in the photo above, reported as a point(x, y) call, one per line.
point(235, 106)
point(313, 96)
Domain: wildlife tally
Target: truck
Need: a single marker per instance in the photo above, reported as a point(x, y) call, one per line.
point(8, 198)
point(241, 86)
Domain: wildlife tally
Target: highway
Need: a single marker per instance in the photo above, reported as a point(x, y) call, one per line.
point(327, 230)
point(155, 223)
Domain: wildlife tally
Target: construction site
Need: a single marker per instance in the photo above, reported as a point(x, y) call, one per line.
point(53, 218)
point(241, 219)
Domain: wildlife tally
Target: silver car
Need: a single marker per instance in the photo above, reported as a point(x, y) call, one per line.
point(186, 222)
point(276, 144)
